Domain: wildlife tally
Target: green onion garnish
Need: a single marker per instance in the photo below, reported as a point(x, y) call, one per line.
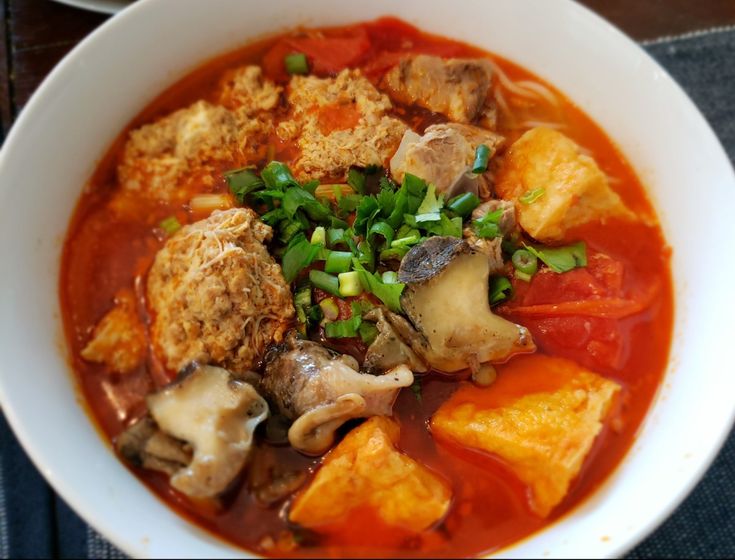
point(170, 225)
point(347, 328)
point(390, 277)
point(561, 259)
point(319, 236)
point(464, 204)
point(296, 63)
point(383, 230)
point(349, 284)
point(338, 261)
point(482, 155)
point(525, 263)
point(324, 281)
point(330, 309)
point(532, 196)
point(500, 289)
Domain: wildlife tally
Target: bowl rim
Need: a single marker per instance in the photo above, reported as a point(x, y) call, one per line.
point(86, 510)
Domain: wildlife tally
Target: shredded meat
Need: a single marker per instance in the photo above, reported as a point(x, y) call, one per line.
point(162, 159)
point(361, 132)
point(246, 89)
point(217, 295)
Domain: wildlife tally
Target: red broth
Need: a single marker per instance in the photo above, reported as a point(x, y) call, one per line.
point(489, 509)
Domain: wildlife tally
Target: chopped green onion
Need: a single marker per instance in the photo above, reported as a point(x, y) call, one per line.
point(319, 236)
point(532, 196)
point(500, 289)
point(338, 261)
point(330, 309)
point(394, 253)
point(349, 284)
point(382, 229)
point(428, 217)
point(522, 276)
point(482, 155)
point(242, 182)
point(337, 223)
point(336, 237)
point(525, 262)
point(368, 332)
point(302, 296)
point(341, 329)
point(347, 328)
point(170, 225)
point(464, 204)
point(324, 281)
point(301, 301)
point(296, 63)
point(411, 237)
point(298, 256)
point(561, 259)
point(390, 277)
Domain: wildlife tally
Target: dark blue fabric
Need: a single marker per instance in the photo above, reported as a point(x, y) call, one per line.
point(34, 522)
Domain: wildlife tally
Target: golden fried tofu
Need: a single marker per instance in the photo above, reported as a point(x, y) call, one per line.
point(118, 339)
point(366, 470)
point(554, 186)
point(542, 435)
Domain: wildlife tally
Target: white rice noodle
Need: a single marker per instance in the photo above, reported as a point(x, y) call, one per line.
point(545, 124)
point(522, 89)
point(540, 89)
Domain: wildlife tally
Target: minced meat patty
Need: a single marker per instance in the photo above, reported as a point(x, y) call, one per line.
point(216, 294)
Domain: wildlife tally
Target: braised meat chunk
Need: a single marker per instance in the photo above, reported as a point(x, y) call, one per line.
point(217, 296)
point(443, 156)
point(455, 87)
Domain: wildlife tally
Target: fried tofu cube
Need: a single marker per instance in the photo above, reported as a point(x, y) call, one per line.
point(570, 189)
point(543, 436)
point(366, 470)
point(119, 339)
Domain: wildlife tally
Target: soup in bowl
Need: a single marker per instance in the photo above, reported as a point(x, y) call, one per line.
point(368, 290)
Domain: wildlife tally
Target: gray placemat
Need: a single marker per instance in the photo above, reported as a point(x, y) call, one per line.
point(35, 523)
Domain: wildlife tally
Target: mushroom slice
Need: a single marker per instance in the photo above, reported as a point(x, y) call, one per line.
point(214, 414)
point(143, 444)
point(320, 390)
point(389, 349)
point(446, 299)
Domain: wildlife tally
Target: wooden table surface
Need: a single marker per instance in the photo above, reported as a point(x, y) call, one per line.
point(37, 33)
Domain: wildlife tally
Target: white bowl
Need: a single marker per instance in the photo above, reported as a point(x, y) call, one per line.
point(85, 102)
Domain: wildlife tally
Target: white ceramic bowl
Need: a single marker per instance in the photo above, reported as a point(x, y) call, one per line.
point(111, 75)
